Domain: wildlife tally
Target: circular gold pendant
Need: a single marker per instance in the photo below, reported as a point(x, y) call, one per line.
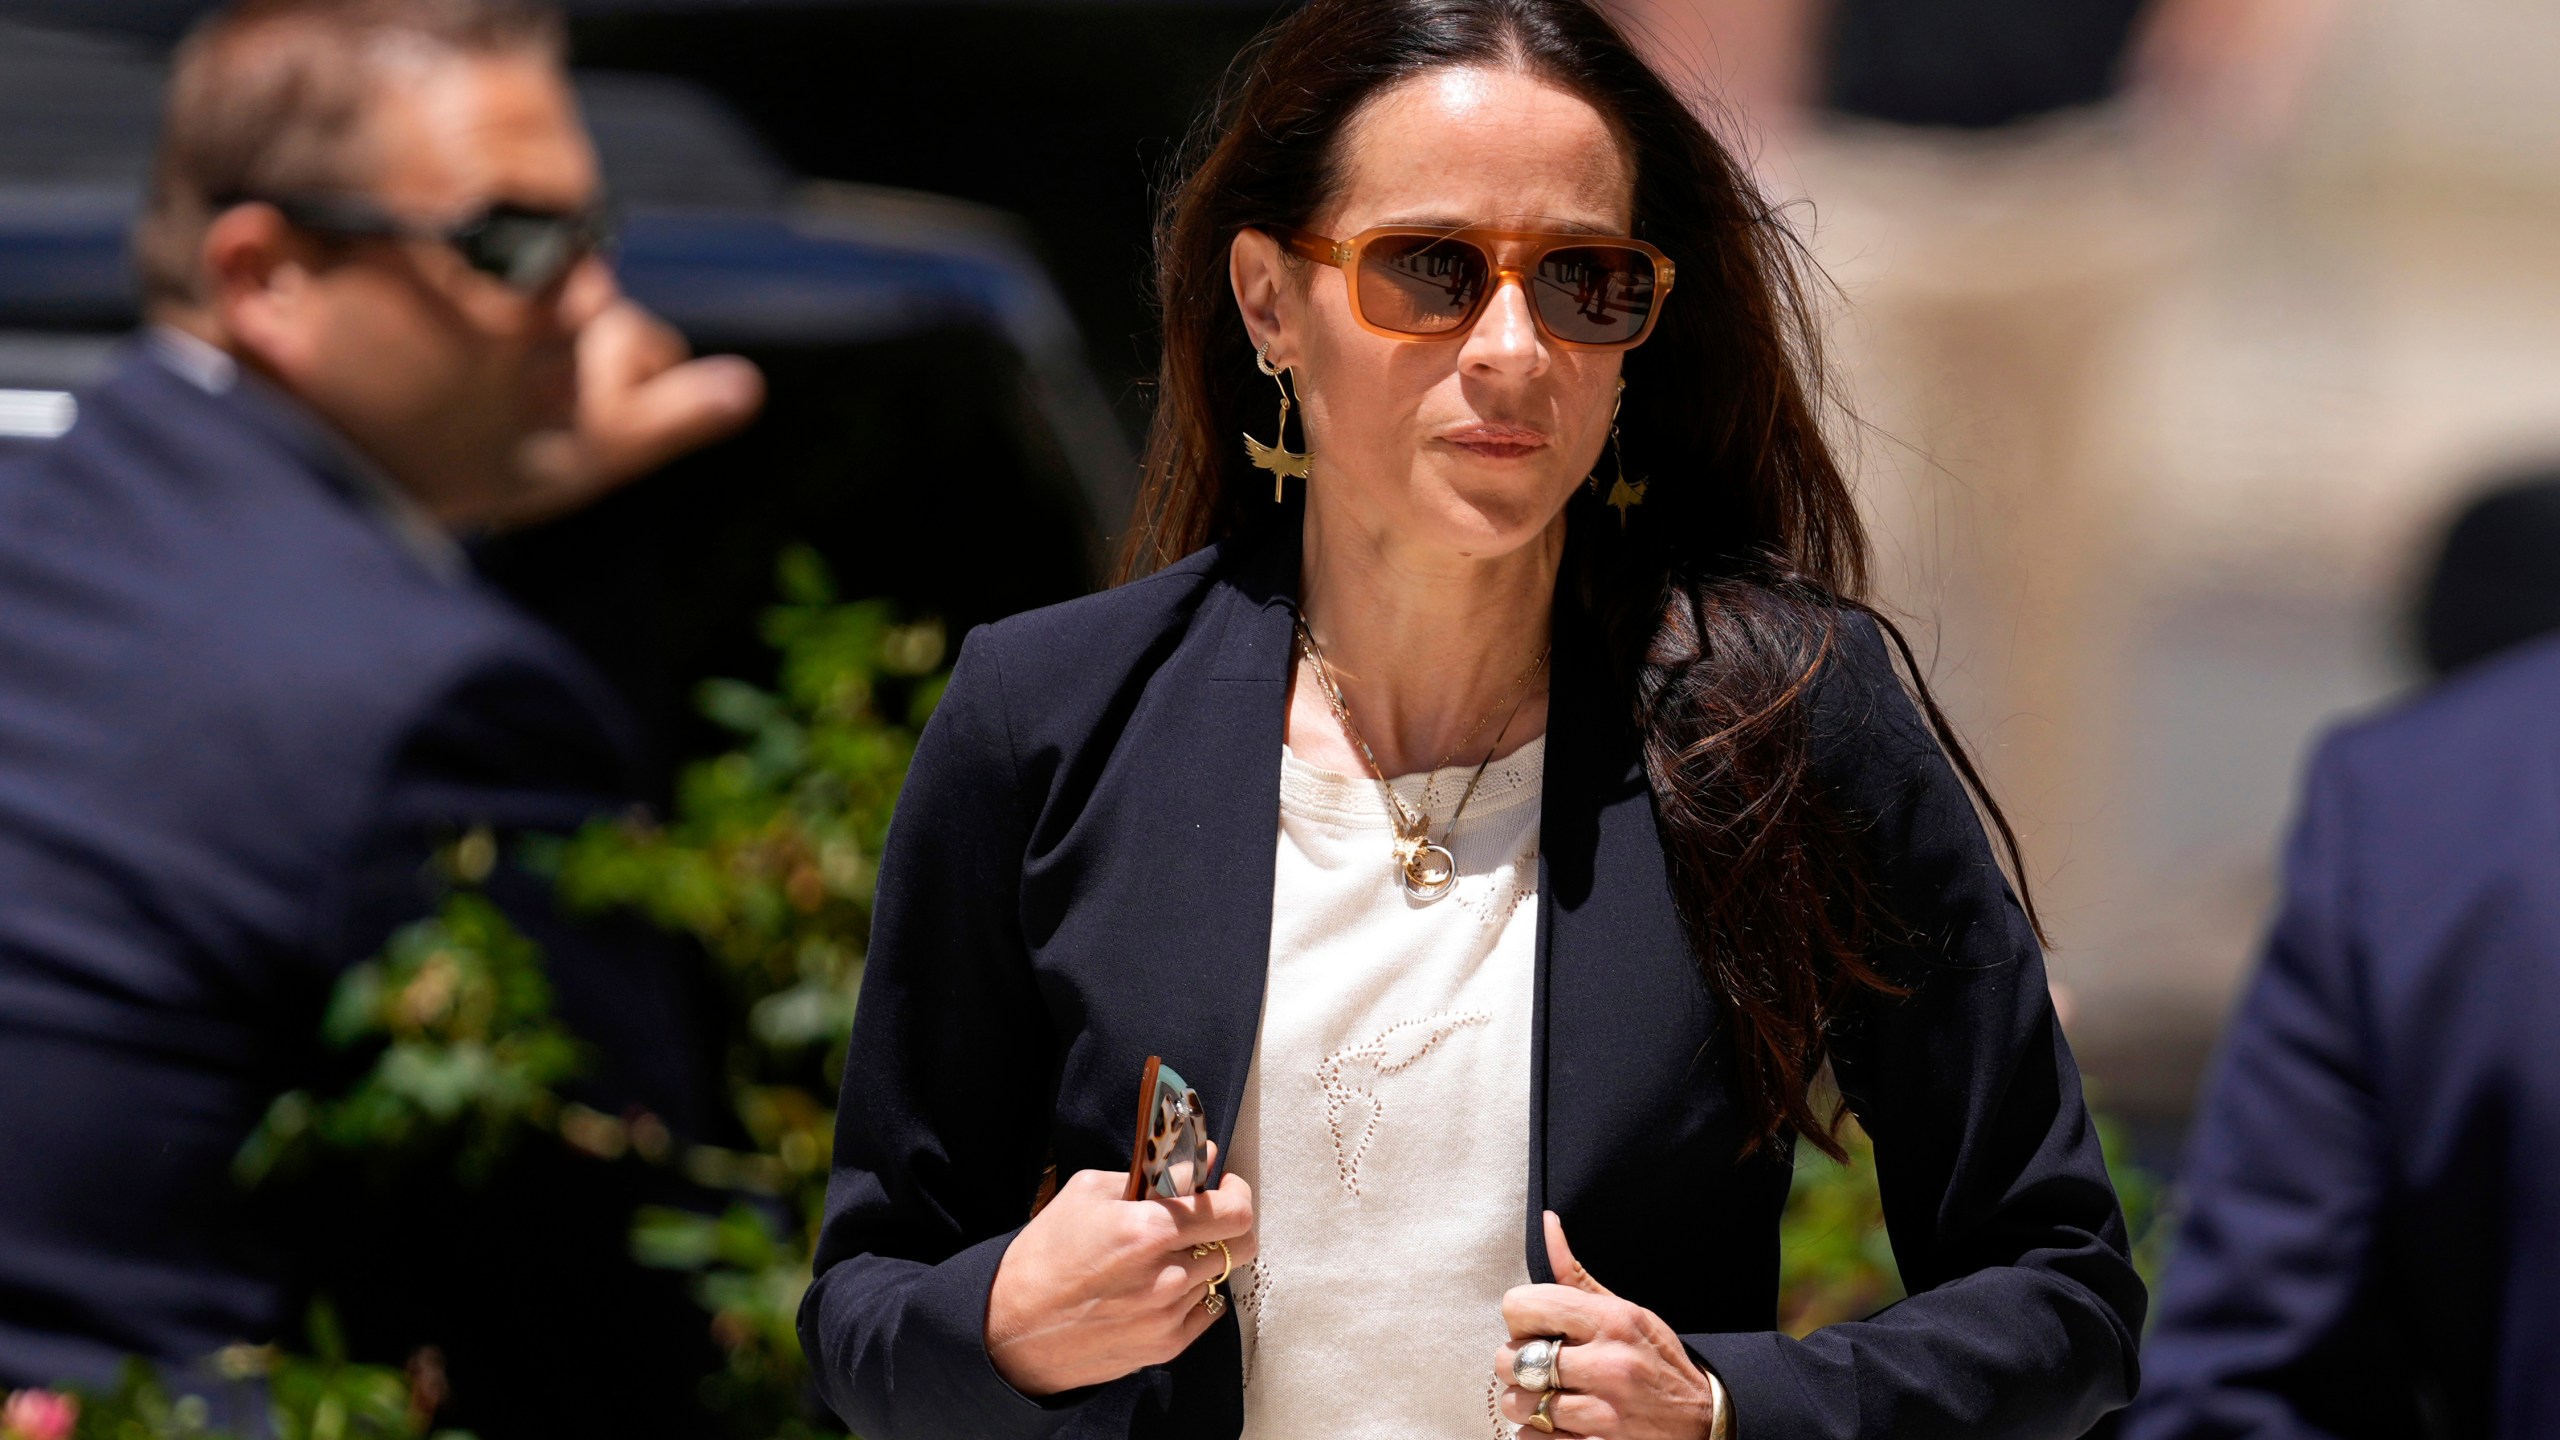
point(1429, 871)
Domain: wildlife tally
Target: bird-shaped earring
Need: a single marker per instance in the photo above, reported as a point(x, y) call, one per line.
point(1625, 495)
point(1284, 463)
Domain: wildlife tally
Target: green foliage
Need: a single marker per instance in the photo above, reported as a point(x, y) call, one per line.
point(750, 1274)
point(773, 853)
point(458, 1012)
point(1835, 1261)
point(140, 1408)
point(770, 861)
point(322, 1396)
point(2145, 1199)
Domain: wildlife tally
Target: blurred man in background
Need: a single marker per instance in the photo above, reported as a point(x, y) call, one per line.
point(2492, 585)
point(248, 684)
point(2372, 1237)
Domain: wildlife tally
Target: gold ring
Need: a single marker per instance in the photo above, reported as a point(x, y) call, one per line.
point(1539, 1417)
point(1214, 1303)
point(1202, 1250)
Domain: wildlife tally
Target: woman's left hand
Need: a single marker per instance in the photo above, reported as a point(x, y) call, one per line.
point(1626, 1375)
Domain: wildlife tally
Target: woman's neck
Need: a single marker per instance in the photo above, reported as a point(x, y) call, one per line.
point(1424, 645)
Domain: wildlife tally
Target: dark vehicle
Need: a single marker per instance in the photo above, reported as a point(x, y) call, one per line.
point(934, 429)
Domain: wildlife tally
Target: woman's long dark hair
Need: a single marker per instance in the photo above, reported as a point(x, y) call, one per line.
point(1720, 602)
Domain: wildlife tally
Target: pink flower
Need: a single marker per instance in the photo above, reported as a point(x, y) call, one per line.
point(38, 1415)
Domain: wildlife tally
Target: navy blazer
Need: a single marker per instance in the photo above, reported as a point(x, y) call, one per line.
point(1080, 874)
point(235, 715)
point(2372, 1237)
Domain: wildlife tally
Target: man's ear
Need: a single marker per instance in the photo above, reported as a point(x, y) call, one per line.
point(1259, 273)
point(256, 273)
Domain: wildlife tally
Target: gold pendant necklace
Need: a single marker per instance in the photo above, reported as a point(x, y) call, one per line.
point(1427, 870)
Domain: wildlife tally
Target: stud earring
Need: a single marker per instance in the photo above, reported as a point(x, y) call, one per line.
point(1625, 494)
point(1284, 463)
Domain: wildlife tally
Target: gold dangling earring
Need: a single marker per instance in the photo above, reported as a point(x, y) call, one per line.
point(1284, 463)
point(1625, 495)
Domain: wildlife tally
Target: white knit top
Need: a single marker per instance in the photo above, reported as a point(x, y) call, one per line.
point(1385, 1126)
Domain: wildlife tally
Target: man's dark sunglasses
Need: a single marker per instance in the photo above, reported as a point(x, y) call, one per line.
point(529, 250)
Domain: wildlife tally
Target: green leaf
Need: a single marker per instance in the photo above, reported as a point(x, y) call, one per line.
point(802, 577)
point(737, 705)
point(353, 1006)
point(809, 1013)
point(459, 1011)
point(669, 1239)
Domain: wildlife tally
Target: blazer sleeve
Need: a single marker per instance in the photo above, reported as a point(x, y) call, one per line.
point(2023, 1306)
point(948, 1087)
point(2263, 1327)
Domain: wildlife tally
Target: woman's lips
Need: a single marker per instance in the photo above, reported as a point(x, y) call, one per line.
point(1497, 442)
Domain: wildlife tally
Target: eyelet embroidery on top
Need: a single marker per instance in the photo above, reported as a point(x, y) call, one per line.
point(1502, 1429)
point(1387, 1054)
point(1493, 897)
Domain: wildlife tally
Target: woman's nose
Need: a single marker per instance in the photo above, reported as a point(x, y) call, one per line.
point(1505, 336)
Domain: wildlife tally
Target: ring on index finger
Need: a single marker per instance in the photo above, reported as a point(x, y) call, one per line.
point(1539, 1417)
point(1201, 1252)
point(1539, 1364)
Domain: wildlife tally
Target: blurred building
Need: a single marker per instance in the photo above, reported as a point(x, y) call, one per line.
point(2369, 331)
point(2162, 397)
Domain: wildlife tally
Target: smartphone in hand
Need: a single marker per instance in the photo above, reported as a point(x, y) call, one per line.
point(1171, 1156)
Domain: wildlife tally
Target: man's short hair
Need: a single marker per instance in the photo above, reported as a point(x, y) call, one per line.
point(269, 97)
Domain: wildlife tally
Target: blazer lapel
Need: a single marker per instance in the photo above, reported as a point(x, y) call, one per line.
point(1626, 1064)
point(1172, 855)
point(1212, 750)
point(1236, 764)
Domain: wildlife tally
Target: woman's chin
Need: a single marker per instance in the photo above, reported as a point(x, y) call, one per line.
point(1489, 522)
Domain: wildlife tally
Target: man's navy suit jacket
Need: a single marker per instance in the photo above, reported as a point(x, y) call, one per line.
point(236, 714)
point(2372, 1245)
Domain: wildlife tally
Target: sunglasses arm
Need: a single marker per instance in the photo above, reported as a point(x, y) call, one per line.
point(1320, 249)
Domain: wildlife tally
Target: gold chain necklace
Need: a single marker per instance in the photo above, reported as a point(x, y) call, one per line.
point(1427, 870)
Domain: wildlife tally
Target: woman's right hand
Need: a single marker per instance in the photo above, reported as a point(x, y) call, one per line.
point(1097, 1287)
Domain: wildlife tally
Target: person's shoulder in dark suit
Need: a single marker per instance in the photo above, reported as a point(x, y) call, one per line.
point(230, 687)
point(2372, 1234)
point(238, 709)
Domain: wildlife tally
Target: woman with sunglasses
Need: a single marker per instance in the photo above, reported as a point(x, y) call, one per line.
point(1498, 804)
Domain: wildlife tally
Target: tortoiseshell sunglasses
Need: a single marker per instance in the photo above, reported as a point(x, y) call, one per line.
point(1422, 282)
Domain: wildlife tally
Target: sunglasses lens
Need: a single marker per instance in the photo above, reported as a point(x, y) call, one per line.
point(1594, 294)
point(1421, 284)
point(528, 252)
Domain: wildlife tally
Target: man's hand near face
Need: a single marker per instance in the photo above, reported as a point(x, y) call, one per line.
point(642, 402)
point(496, 400)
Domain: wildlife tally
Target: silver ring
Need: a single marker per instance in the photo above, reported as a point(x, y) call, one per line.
point(1534, 1366)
